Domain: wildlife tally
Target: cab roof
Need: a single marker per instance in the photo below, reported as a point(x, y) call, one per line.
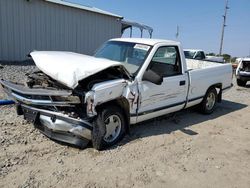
point(146, 41)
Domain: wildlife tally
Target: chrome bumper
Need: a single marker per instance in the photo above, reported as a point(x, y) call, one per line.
point(58, 126)
point(243, 77)
point(55, 125)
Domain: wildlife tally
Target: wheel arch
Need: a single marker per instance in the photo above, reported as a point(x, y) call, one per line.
point(122, 103)
point(218, 87)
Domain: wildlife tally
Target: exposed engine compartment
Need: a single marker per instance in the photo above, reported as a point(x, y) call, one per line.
point(38, 79)
point(109, 74)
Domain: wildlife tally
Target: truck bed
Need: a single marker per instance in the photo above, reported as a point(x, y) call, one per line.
point(211, 74)
point(199, 64)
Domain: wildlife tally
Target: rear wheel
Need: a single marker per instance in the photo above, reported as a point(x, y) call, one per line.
point(241, 83)
point(108, 128)
point(209, 102)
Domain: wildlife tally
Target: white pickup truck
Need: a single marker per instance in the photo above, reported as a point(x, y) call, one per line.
point(243, 72)
point(200, 55)
point(76, 98)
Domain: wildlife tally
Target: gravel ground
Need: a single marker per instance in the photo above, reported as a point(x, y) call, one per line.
point(185, 150)
point(15, 72)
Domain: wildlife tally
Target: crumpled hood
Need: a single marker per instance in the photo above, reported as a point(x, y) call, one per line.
point(69, 68)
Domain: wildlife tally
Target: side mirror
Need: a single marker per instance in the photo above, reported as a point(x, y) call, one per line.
point(153, 77)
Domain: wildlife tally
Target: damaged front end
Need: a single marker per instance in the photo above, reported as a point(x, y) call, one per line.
point(65, 114)
point(57, 113)
point(62, 98)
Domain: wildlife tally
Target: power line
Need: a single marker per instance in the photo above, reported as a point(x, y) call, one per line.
point(223, 27)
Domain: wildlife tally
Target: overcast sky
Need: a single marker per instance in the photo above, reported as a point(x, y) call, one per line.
point(200, 21)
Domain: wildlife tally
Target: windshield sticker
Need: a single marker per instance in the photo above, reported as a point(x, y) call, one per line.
point(142, 47)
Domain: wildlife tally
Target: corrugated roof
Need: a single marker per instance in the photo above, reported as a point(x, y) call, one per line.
point(128, 23)
point(83, 7)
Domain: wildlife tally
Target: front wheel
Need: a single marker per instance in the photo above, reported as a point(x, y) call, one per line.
point(209, 102)
point(241, 83)
point(108, 128)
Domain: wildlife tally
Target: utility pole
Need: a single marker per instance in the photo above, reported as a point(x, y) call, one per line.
point(177, 32)
point(249, 52)
point(223, 27)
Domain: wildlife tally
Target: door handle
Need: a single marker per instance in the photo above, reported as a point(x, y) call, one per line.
point(182, 83)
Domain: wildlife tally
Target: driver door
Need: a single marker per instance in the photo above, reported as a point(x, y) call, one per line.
point(157, 100)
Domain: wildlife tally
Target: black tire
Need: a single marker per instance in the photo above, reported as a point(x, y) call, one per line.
point(99, 127)
point(241, 83)
point(204, 107)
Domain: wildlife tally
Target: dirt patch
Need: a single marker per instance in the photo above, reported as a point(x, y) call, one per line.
point(185, 150)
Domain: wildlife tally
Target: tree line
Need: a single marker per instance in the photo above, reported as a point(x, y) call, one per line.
point(227, 57)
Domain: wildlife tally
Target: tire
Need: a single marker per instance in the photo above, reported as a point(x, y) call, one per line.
point(241, 83)
point(102, 136)
point(209, 102)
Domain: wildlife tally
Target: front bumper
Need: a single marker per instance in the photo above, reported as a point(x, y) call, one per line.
point(55, 125)
point(244, 76)
point(59, 127)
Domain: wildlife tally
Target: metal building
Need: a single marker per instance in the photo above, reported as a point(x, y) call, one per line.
point(27, 25)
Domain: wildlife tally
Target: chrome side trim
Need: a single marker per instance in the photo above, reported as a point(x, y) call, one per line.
point(227, 88)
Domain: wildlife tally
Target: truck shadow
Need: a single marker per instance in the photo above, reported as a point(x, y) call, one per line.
point(178, 121)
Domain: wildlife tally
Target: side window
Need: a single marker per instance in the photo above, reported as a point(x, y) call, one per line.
point(200, 55)
point(166, 61)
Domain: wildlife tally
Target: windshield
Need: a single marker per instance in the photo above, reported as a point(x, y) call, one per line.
point(131, 55)
point(189, 54)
